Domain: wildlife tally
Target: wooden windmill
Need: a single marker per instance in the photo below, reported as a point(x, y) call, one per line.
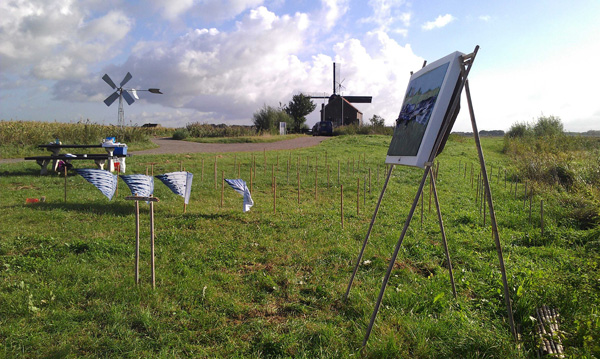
point(339, 109)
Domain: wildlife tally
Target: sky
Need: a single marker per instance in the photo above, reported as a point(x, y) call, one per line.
point(220, 61)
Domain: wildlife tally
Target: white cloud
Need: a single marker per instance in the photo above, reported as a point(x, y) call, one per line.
point(218, 76)
point(439, 22)
point(207, 10)
point(387, 14)
point(485, 18)
point(331, 12)
point(56, 40)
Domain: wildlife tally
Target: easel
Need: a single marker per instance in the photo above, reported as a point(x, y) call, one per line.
point(466, 64)
point(137, 200)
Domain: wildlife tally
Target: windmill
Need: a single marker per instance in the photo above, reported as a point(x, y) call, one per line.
point(123, 93)
point(334, 110)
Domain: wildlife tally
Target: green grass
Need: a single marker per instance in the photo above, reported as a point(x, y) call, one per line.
point(243, 139)
point(270, 285)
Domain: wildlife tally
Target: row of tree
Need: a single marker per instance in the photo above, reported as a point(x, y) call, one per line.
point(294, 114)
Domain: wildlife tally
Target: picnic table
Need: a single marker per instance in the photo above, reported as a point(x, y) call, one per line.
point(115, 153)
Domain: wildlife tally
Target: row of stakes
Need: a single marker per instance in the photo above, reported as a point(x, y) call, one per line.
point(481, 198)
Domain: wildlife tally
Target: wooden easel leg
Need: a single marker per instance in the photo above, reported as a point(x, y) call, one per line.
point(488, 194)
point(395, 255)
point(137, 242)
point(362, 250)
point(439, 213)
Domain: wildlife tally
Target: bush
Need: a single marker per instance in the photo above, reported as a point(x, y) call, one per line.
point(181, 134)
point(548, 126)
point(518, 130)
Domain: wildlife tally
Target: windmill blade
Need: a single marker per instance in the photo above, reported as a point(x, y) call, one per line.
point(109, 81)
point(110, 99)
point(126, 79)
point(134, 93)
point(359, 99)
point(128, 97)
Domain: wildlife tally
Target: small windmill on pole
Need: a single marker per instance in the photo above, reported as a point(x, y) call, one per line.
point(121, 93)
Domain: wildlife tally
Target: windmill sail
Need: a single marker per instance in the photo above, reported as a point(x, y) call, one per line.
point(240, 187)
point(179, 182)
point(140, 185)
point(105, 181)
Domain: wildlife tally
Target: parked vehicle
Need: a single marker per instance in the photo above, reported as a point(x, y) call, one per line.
point(323, 128)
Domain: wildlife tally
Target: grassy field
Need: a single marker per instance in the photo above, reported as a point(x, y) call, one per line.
point(244, 139)
point(270, 285)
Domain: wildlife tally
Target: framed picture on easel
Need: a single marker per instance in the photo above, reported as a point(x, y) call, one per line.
point(426, 103)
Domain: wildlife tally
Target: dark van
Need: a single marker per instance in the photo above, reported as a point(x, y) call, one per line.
point(323, 128)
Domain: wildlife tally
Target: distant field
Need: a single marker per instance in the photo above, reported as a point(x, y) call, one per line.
point(244, 139)
point(268, 284)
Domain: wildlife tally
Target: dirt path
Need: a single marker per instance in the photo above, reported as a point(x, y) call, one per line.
point(168, 145)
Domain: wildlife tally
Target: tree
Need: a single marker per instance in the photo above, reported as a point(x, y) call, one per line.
point(298, 108)
point(548, 126)
point(267, 119)
point(377, 121)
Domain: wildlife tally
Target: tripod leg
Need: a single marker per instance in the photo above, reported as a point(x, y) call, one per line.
point(362, 250)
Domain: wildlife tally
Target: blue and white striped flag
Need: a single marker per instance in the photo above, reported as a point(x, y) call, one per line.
point(179, 182)
point(140, 185)
point(105, 181)
point(240, 187)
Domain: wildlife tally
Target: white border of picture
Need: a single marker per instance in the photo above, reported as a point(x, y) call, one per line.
point(434, 124)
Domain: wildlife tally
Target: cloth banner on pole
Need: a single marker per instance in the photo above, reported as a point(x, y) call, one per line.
point(240, 187)
point(105, 181)
point(179, 182)
point(140, 185)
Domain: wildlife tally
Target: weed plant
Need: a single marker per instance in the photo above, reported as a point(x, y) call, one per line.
point(21, 138)
point(269, 284)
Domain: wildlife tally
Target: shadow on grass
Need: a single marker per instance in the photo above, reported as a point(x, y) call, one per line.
point(115, 209)
point(21, 172)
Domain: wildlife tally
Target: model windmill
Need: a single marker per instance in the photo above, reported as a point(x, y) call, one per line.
point(123, 93)
point(339, 109)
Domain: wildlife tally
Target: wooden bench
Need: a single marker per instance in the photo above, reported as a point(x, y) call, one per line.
point(99, 158)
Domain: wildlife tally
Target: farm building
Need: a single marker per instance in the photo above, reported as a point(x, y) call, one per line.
point(334, 112)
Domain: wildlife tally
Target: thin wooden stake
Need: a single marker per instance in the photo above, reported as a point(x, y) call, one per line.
point(298, 174)
point(215, 172)
point(338, 172)
point(137, 242)
point(152, 244)
point(222, 187)
point(358, 196)
point(542, 217)
point(316, 176)
point(530, 200)
point(342, 205)
point(66, 182)
point(274, 194)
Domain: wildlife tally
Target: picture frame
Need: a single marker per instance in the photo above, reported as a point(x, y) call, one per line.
point(429, 94)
